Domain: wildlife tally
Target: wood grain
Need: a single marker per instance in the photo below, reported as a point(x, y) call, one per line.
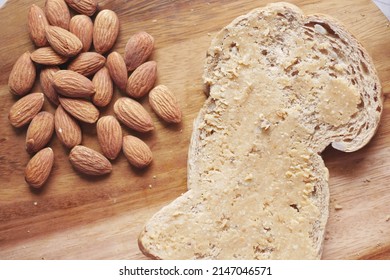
point(80, 217)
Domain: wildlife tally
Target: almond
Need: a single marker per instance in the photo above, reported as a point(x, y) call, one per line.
point(138, 49)
point(164, 104)
point(89, 161)
point(109, 133)
point(80, 109)
point(67, 129)
point(39, 168)
point(133, 115)
point(39, 132)
point(136, 151)
point(82, 27)
point(47, 56)
point(57, 13)
point(142, 80)
point(104, 88)
point(87, 63)
point(117, 67)
point(85, 7)
point(37, 23)
point(46, 81)
point(22, 76)
point(105, 30)
point(25, 109)
point(62, 41)
point(72, 84)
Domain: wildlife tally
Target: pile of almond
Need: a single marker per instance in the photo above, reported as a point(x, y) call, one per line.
point(77, 73)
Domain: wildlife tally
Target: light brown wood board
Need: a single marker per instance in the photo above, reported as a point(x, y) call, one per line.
point(79, 217)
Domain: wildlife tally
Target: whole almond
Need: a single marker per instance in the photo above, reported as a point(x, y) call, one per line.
point(37, 23)
point(25, 109)
point(85, 7)
point(136, 151)
point(22, 76)
point(133, 115)
point(47, 56)
point(39, 168)
point(105, 30)
point(82, 27)
point(87, 63)
point(164, 104)
point(80, 109)
point(117, 67)
point(57, 13)
point(62, 41)
point(39, 132)
point(67, 129)
point(71, 84)
point(142, 80)
point(46, 81)
point(104, 88)
point(109, 133)
point(89, 161)
point(138, 49)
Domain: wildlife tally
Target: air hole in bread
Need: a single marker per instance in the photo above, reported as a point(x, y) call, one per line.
point(320, 26)
point(294, 206)
point(378, 109)
point(264, 52)
point(364, 67)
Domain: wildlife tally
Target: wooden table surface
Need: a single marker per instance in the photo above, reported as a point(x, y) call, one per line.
point(79, 217)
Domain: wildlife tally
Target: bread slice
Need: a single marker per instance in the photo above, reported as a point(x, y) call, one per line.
point(282, 86)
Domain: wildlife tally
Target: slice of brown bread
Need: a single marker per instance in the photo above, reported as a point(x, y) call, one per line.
point(282, 86)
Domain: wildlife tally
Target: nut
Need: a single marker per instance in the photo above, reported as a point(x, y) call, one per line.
point(89, 161)
point(39, 168)
point(25, 109)
point(37, 22)
point(142, 80)
point(22, 76)
point(87, 63)
point(72, 84)
point(164, 104)
point(105, 30)
point(46, 80)
point(117, 67)
point(85, 7)
point(82, 27)
point(104, 88)
point(136, 151)
point(138, 49)
point(57, 13)
point(109, 134)
point(47, 56)
point(81, 109)
point(39, 132)
point(62, 41)
point(67, 129)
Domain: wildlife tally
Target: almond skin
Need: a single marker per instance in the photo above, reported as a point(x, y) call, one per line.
point(62, 41)
point(39, 168)
point(39, 132)
point(136, 151)
point(164, 104)
point(46, 81)
point(37, 23)
point(138, 49)
point(22, 76)
point(85, 7)
point(87, 63)
point(142, 80)
point(82, 27)
point(117, 67)
point(80, 109)
point(109, 133)
point(71, 84)
point(89, 161)
point(104, 88)
point(105, 30)
point(133, 115)
point(57, 13)
point(25, 109)
point(67, 129)
point(47, 56)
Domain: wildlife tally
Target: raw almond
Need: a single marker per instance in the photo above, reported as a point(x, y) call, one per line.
point(57, 13)
point(46, 81)
point(105, 30)
point(67, 129)
point(39, 168)
point(133, 115)
point(138, 49)
point(22, 76)
point(80, 109)
point(39, 132)
point(25, 109)
point(85, 7)
point(87, 63)
point(89, 161)
point(62, 41)
point(104, 88)
point(72, 84)
point(109, 133)
point(136, 151)
point(164, 104)
point(37, 23)
point(47, 56)
point(82, 27)
point(142, 80)
point(117, 67)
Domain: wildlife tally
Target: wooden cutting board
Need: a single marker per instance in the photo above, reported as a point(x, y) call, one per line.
point(79, 217)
